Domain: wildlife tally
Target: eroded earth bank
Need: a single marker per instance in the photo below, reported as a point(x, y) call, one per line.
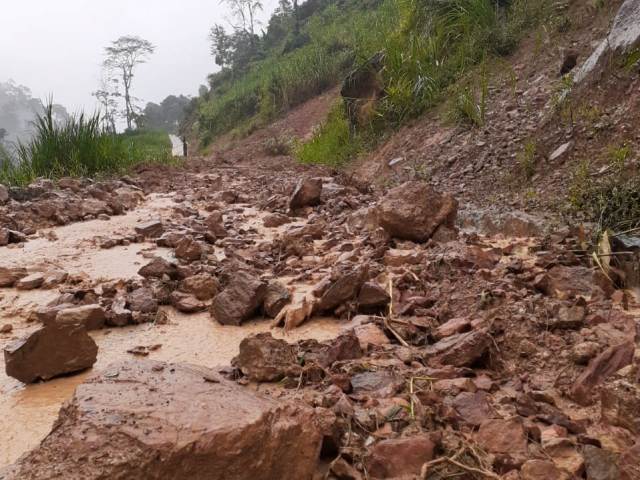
point(263, 320)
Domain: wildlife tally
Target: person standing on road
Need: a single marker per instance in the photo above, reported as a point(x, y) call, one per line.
point(184, 145)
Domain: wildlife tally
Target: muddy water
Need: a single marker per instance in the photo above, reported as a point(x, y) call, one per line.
point(27, 412)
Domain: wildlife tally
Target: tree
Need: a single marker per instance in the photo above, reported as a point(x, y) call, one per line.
point(107, 95)
point(221, 46)
point(123, 56)
point(168, 115)
point(245, 12)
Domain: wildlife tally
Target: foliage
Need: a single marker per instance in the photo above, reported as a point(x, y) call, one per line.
point(527, 159)
point(611, 201)
point(168, 115)
point(333, 144)
point(80, 147)
point(123, 56)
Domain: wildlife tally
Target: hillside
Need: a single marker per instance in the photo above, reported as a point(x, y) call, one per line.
point(406, 248)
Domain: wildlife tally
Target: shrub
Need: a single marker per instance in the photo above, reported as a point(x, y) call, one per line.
point(80, 147)
point(333, 144)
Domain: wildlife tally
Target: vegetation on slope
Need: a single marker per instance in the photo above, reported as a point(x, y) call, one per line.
point(81, 147)
point(428, 46)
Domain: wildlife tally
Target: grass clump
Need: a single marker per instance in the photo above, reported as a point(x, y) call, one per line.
point(80, 147)
point(527, 159)
point(333, 144)
point(612, 201)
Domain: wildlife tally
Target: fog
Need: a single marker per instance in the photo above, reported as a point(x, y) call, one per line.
point(56, 47)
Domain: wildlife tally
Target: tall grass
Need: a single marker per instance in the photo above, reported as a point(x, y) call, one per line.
point(433, 53)
point(80, 147)
point(338, 37)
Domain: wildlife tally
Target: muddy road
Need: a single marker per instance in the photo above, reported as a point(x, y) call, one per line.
point(398, 320)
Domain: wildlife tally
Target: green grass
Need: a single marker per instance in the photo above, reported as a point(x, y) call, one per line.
point(80, 147)
point(338, 36)
point(333, 144)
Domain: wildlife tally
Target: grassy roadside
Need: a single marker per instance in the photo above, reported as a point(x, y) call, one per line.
point(80, 147)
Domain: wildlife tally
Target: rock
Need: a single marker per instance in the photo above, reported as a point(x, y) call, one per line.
point(203, 286)
point(239, 300)
point(599, 369)
point(344, 347)
point(452, 327)
point(5, 237)
point(583, 352)
point(460, 350)
point(275, 220)
point(569, 62)
point(263, 358)
point(370, 335)
point(473, 408)
point(561, 151)
point(565, 282)
point(569, 318)
point(398, 258)
point(565, 455)
point(54, 278)
point(142, 300)
point(186, 303)
point(189, 249)
point(342, 470)
point(401, 458)
point(414, 211)
point(623, 36)
point(345, 287)
point(30, 282)
point(215, 224)
point(17, 237)
point(50, 351)
point(92, 317)
point(377, 384)
point(275, 299)
point(119, 315)
point(149, 420)
point(502, 436)
point(170, 239)
point(362, 88)
point(372, 296)
point(600, 464)
point(152, 229)
point(159, 267)
point(630, 463)
point(542, 470)
point(306, 194)
point(4, 194)
point(620, 404)
point(9, 276)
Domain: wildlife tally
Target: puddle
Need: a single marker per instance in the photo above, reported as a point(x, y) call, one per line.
point(27, 412)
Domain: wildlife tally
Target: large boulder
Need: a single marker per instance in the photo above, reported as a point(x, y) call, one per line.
point(239, 300)
point(151, 420)
point(50, 351)
point(306, 194)
point(599, 369)
point(623, 37)
point(263, 358)
point(414, 211)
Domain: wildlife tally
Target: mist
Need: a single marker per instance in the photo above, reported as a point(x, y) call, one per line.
point(56, 49)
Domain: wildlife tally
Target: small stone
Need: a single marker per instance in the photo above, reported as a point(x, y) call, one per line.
point(30, 282)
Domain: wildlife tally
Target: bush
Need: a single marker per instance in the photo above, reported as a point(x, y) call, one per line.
point(80, 147)
point(333, 144)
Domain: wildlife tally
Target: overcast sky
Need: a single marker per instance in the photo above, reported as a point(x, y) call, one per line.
point(56, 46)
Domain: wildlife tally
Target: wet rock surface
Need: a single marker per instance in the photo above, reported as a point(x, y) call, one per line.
point(498, 349)
point(50, 351)
point(146, 419)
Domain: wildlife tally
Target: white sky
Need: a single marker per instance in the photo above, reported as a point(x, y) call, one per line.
point(56, 46)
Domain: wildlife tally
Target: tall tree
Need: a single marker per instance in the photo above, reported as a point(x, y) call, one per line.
point(123, 56)
point(245, 13)
point(108, 95)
